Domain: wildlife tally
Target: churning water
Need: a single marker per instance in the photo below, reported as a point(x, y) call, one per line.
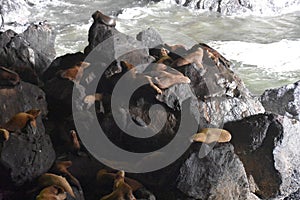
point(263, 45)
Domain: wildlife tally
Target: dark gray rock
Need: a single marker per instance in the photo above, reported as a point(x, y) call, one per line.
point(283, 101)
point(27, 156)
point(267, 146)
point(108, 44)
point(221, 93)
point(30, 53)
point(22, 98)
point(150, 38)
point(219, 175)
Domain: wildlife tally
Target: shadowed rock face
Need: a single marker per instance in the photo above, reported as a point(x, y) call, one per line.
point(283, 101)
point(29, 53)
point(266, 145)
point(219, 175)
point(28, 154)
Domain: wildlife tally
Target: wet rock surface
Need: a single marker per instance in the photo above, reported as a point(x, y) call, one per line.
point(219, 175)
point(29, 53)
point(266, 145)
point(283, 101)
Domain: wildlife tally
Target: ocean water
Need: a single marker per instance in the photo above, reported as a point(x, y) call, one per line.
point(263, 44)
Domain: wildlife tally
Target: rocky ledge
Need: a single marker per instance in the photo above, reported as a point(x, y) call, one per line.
point(43, 157)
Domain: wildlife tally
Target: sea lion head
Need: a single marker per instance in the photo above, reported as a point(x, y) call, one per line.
point(4, 135)
point(8, 77)
point(104, 19)
point(52, 192)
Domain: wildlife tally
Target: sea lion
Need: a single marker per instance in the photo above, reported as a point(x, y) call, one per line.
point(121, 190)
point(61, 167)
point(159, 76)
point(74, 73)
point(49, 179)
point(209, 135)
point(4, 134)
point(8, 77)
point(52, 193)
point(34, 112)
point(105, 178)
point(215, 55)
point(164, 57)
point(195, 55)
point(75, 146)
point(20, 120)
point(104, 19)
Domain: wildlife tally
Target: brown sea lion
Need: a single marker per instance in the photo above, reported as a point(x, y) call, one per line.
point(164, 57)
point(4, 134)
point(49, 179)
point(52, 193)
point(121, 189)
point(8, 77)
point(75, 146)
point(61, 167)
point(74, 73)
point(209, 135)
point(105, 178)
point(215, 55)
point(159, 76)
point(20, 120)
point(100, 17)
point(195, 55)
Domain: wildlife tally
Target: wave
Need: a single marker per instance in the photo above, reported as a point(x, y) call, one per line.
point(282, 56)
point(238, 7)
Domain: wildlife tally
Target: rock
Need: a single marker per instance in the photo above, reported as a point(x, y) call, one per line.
point(22, 98)
point(144, 194)
point(25, 53)
point(267, 146)
point(62, 63)
point(114, 46)
point(283, 101)
point(42, 38)
point(27, 156)
point(221, 93)
point(150, 38)
point(219, 175)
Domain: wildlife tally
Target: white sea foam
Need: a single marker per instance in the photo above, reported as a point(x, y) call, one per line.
point(282, 56)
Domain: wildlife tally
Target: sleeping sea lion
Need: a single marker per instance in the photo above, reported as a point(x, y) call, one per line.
point(121, 189)
point(52, 193)
point(49, 179)
point(210, 135)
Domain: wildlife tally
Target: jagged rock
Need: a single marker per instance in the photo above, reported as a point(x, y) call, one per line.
point(114, 46)
point(30, 53)
point(267, 146)
point(62, 63)
point(221, 93)
point(42, 38)
point(150, 38)
point(219, 175)
point(283, 101)
point(27, 156)
point(22, 98)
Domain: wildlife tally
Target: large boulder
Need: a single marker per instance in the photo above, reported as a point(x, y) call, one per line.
point(29, 53)
point(218, 175)
point(267, 146)
point(283, 101)
point(26, 155)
